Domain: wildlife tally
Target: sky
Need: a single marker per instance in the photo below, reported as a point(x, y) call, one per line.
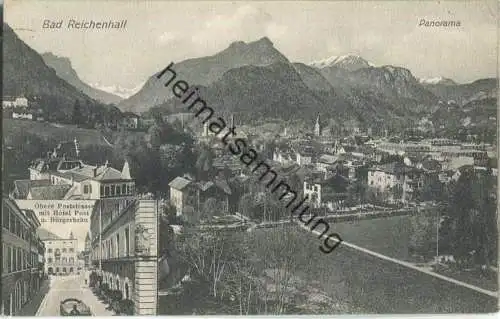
point(158, 32)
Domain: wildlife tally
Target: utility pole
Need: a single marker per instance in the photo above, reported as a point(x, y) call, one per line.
point(437, 234)
point(100, 235)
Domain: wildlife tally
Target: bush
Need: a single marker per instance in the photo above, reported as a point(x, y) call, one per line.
point(126, 307)
point(105, 289)
point(115, 296)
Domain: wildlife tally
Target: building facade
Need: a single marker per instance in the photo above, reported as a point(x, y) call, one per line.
point(22, 257)
point(124, 249)
point(389, 177)
point(61, 256)
point(20, 101)
point(62, 175)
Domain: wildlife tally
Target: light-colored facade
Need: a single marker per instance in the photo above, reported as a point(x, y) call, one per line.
point(15, 102)
point(61, 175)
point(385, 178)
point(124, 249)
point(22, 257)
point(61, 256)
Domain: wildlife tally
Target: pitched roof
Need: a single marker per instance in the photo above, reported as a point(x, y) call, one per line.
point(223, 184)
point(46, 235)
point(23, 186)
point(51, 192)
point(179, 183)
point(395, 168)
point(328, 159)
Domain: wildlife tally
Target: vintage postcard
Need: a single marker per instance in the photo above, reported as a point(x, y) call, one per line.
point(249, 157)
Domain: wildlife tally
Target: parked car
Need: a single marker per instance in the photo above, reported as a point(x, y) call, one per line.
point(74, 307)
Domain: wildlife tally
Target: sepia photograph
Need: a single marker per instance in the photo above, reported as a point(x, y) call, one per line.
point(249, 158)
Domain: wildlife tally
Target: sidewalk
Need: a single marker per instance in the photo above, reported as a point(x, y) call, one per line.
point(97, 307)
point(31, 307)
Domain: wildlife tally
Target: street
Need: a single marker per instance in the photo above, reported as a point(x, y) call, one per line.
point(63, 287)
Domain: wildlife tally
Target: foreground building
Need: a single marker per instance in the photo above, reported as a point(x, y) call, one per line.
point(22, 257)
point(124, 249)
point(62, 175)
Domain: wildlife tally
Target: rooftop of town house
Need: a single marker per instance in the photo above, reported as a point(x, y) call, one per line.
point(395, 168)
point(328, 159)
point(179, 183)
point(23, 186)
point(431, 164)
point(223, 185)
point(44, 234)
point(50, 192)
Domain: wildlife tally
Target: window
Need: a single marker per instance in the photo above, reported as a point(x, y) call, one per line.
point(9, 262)
point(127, 247)
point(5, 218)
point(117, 245)
point(14, 259)
point(12, 223)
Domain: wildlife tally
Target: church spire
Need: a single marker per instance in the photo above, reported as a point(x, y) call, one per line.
point(126, 171)
point(317, 126)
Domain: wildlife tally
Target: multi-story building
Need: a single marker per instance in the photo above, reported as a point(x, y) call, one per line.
point(61, 256)
point(329, 192)
point(20, 102)
point(130, 120)
point(389, 177)
point(124, 249)
point(62, 175)
point(22, 257)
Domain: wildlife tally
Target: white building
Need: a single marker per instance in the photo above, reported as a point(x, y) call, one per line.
point(11, 102)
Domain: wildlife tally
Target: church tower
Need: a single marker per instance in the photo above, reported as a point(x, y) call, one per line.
point(317, 127)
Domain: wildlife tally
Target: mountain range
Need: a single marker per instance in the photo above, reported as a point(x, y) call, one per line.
point(25, 73)
point(256, 81)
point(65, 71)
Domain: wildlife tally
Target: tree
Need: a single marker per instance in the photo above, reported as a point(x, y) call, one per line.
point(471, 228)
point(77, 117)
